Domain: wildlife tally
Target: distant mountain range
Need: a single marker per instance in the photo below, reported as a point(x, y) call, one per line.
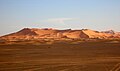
point(35, 33)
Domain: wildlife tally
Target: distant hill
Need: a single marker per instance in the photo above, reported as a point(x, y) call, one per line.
point(109, 32)
point(35, 33)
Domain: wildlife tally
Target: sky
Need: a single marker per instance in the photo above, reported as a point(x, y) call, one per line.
point(97, 15)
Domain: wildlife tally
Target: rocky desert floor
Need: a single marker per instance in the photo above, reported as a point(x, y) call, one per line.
point(83, 56)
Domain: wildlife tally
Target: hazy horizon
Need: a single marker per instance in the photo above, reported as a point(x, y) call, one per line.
point(98, 15)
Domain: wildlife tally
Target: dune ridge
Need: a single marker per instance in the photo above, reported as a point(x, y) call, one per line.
point(36, 33)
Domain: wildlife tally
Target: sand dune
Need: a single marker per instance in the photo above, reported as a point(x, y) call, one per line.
point(35, 33)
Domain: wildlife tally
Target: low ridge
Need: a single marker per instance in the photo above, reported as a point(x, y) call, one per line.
point(34, 33)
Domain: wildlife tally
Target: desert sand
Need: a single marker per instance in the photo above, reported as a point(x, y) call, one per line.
point(61, 56)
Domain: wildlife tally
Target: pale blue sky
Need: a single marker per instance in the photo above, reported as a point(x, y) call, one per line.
point(76, 14)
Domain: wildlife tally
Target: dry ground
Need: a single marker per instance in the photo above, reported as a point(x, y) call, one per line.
point(83, 56)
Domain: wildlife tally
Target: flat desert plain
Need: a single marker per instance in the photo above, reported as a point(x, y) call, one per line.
point(83, 56)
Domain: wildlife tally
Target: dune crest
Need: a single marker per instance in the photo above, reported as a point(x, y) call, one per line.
point(35, 33)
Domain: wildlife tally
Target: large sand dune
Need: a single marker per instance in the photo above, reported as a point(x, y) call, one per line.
point(34, 33)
